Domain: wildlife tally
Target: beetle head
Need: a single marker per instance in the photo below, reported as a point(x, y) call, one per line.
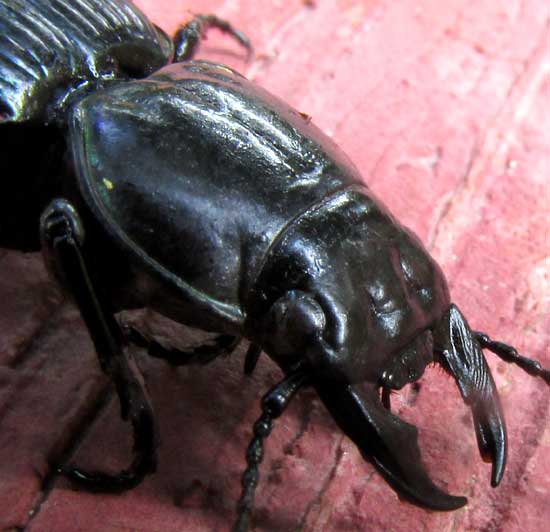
point(356, 300)
point(300, 332)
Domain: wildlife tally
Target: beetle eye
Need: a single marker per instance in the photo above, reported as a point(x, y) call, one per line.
point(294, 320)
point(304, 316)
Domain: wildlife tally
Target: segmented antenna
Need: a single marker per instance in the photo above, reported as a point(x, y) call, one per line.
point(509, 354)
point(274, 403)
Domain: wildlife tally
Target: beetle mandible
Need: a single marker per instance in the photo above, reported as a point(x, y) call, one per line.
point(248, 222)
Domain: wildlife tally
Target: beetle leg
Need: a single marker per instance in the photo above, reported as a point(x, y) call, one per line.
point(251, 359)
point(462, 355)
point(509, 354)
point(189, 36)
point(62, 240)
point(274, 403)
point(386, 397)
point(221, 345)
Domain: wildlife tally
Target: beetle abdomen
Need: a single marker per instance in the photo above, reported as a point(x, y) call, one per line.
point(50, 47)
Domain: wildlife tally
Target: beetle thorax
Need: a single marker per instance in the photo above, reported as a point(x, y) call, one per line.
point(376, 286)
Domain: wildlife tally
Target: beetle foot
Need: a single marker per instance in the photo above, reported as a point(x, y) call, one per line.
point(189, 36)
point(103, 482)
point(144, 461)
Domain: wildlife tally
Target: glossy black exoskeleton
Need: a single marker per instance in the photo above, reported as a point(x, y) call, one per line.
point(189, 190)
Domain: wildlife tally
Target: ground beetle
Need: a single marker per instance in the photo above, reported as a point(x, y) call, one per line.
point(161, 182)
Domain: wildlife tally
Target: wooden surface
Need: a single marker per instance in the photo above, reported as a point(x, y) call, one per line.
point(444, 107)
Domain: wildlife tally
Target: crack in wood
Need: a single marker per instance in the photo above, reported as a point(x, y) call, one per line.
point(316, 501)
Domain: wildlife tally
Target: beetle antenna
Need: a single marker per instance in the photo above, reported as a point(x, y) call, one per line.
point(509, 354)
point(274, 403)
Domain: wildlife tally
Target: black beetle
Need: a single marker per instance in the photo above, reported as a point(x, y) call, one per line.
point(220, 207)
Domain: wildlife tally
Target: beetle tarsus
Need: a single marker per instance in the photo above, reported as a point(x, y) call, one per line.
point(189, 36)
point(62, 240)
point(101, 482)
point(144, 463)
point(509, 354)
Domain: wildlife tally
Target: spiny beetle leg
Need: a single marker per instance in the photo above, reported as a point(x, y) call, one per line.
point(222, 345)
point(188, 38)
point(62, 237)
point(509, 354)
